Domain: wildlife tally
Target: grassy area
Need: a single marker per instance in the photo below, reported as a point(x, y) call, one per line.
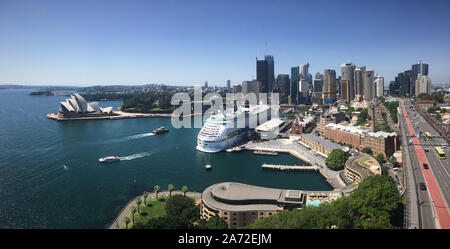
point(154, 208)
point(363, 162)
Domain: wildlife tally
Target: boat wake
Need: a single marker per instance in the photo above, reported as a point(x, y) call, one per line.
point(135, 156)
point(140, 136)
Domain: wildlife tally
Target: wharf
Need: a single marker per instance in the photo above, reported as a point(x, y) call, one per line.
point(289, 167)
point(266, 153)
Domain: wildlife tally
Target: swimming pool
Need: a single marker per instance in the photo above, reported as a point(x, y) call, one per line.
point(313, 203)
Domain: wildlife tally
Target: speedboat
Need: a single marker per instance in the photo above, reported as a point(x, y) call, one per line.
point(109, 159)
point(208, 166)
point(161, 129)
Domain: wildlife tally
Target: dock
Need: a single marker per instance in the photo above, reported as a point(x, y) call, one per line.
point(289, 167)
point(266, 153)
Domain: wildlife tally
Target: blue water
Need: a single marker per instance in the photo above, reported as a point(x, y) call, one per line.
point(37, 191)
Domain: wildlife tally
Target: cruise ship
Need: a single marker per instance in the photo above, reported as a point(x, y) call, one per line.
point(225, 130)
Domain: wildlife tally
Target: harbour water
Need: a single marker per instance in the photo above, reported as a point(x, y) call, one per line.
point(50, 176)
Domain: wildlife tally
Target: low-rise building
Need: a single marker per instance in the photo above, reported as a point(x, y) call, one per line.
point(359, 167)
point(425, 104)
point(379, 142)
point(319, 144)
point(269, 129)
point(241, 204)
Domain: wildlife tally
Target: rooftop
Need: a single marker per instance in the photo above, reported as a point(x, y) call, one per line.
point(269, 125)
point(324, 142)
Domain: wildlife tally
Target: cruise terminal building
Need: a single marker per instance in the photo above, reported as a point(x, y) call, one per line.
point(241, 204)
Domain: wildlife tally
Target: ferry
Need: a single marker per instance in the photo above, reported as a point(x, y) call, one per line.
point(224, 130)
point(161, 129)
point(109, 159)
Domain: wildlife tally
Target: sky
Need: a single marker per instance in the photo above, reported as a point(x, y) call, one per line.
point(98, 42)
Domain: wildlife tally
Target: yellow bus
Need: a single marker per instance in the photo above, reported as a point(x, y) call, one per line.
point(427, 134)
point(440, 152)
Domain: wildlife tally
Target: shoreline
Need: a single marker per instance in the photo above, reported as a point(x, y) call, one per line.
point(116, 115)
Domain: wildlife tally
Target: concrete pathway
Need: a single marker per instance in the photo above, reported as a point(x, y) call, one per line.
point(118, 221)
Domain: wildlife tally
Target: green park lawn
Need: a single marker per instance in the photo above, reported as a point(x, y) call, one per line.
point(155, 208)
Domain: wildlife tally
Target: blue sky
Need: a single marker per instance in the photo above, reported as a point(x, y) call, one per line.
point(189, 42)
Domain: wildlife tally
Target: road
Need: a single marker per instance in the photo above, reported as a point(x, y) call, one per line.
point(433, 208)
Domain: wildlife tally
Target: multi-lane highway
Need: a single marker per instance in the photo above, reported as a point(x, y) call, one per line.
point(432, 204)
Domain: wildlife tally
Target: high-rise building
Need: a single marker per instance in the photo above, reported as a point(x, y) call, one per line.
point(253, 86)
point(261, 74)
point(368, 84)
point(265, 73)
point(303, 87)
point(379, 84)
point(206, 84)
point(348, 73)
point(283, 84)
point(228, 84)
point(293, 97)
point(423, 85)
point(416, 69)
point(304, 71)
point(345, 90)
point(270, 72)
point(329, 86)
point(317, 89)
point(358, 81)
point(237, 89)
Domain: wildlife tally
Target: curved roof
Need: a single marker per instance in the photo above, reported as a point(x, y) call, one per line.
point(76, 103)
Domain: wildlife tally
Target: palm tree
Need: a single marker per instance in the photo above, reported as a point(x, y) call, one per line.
point(170, 188)
point(156, 188)
point(126, 220)
point(184, 189)
point(138, 202)
point(133, 211)
point(145, 194)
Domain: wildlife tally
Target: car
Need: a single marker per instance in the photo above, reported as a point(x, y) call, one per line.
point(425, 166)
point(426, 150)
point(423, 186)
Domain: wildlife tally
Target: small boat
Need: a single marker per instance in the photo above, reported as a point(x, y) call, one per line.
point(208, 166)
point(109, 159)
point(65, 167)
point(161, 129)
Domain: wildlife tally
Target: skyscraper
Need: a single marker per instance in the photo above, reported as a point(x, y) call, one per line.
point(345, 90)
point(206, 84)
point(416, 69)
point(303, 96)
point(304, 71)
point(423, 85)
point(253, 86)
point(317, 89)
point(329, 86)
point(348, 73)
point(283, 84)
point(295, 71)
point(228, 84)
point(379, 84)
point(261, 74)
point(265, 73)
point(368, 84)
point(270, 72)
point(358, 81)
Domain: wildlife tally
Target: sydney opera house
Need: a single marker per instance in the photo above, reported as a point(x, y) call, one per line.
point(77, 107)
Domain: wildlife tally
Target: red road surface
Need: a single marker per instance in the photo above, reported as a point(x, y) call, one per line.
point(438, 201)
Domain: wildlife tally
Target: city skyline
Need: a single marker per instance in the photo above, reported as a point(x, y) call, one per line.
point(110, 43)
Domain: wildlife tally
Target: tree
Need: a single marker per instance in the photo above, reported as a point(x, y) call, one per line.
point(184, 189)
point(145, 194)
point(336, 159)
point(176, 204)
point(164, 222)
point(362, 117)
point(380, 158)
point(156, 188)
point(170, 188)
point(133, 211)
point(374, 201)
point(367, 150)
point(215, 222)
point(126, 220)
point(138, 202)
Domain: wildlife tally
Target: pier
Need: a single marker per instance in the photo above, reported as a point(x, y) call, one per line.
point(289, 167)
point(266, 153)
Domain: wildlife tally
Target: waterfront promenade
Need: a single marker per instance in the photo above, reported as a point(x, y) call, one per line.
point(116, 115)
point(119, 220)
point(293, 147)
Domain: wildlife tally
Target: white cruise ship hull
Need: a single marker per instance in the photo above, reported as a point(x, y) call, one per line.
point(217, 146)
